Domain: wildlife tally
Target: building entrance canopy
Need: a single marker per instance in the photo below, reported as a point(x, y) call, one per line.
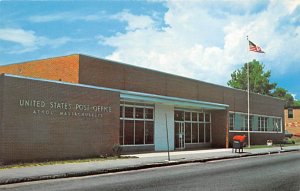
point(166, 100)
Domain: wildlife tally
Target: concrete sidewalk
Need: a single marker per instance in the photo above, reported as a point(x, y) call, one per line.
point(141, 161)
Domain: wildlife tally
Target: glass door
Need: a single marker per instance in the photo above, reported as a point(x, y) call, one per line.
point(179, 135)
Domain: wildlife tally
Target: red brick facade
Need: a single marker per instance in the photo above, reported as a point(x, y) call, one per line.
point(65, 68)
point(98, 72)
point(292, 124)
point(47, 121)
point(68, 137)
point(110, 74)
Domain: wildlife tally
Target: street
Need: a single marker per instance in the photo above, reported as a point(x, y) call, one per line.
point(270, 172)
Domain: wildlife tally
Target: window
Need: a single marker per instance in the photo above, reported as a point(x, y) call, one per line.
point(207, 117)
point(188, 132)
point(207, 132)
point(239, 122)
point(194, 116)
point(136, 124)
point(179, 115)
point(246, 122)
point(290, 113)
point(128, 112)
point(195, 133)
point(187, 116)
point(148, 113)
point(149, 132)
point(129, 132)
point(201, 117)
point(201, 132)
point(262, 123)
point(231, 121)
point(277, 124)
point(139, 113)
point(139, 132)
point(197, 125)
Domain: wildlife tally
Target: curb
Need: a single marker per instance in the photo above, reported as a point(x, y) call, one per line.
point(137, 167)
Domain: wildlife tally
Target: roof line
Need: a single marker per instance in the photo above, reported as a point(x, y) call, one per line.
point(164, 73)
point(28, 61)
point(124, 92)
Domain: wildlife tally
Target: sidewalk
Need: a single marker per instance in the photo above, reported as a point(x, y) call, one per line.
point(148, 160)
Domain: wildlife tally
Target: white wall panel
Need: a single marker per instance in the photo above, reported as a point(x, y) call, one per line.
point(160, 131)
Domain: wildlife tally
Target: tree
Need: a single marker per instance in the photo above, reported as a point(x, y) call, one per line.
point(296, 103)
point(259, 80)
point(283, 93)
point(279, 92)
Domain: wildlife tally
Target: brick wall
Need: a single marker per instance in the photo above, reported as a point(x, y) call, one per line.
point(93, 71)
point(104, 73)
point(219, 128)
point(65, 68)
point(49, 129)
point(292, 124)
point(98, 72)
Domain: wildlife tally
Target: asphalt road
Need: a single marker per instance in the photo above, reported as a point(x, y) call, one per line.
point(272, 172)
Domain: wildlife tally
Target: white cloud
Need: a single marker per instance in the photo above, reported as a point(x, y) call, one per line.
point(47, 18)
point(68, 16)
point(28, 41)
point(25, 38)
point(134, 22)
point(206, 40)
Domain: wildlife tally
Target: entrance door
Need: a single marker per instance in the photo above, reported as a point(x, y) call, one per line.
point(179, 135)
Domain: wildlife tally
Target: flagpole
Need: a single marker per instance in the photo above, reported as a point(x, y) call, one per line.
point(248, 100)
point(254, 48)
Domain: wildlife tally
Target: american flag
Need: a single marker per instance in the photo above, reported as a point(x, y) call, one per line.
point(253, 47)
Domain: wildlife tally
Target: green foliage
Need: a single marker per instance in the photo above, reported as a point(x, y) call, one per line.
point(283, 93)
point(296, 102)
point(289, 100)
point(279, 92)
point(259, 82)
point(288, 141)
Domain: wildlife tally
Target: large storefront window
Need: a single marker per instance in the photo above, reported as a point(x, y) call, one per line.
point(197, 125)
point(136, 124)
point(257, 123)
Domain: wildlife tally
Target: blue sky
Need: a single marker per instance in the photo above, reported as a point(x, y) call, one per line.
point(204, 40)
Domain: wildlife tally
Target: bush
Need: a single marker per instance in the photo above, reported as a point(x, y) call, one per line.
point(288, 141)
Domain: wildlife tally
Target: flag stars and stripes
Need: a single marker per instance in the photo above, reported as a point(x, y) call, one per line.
point(253, 47)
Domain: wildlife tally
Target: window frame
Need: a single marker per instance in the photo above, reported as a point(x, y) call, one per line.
point(290, 113)
point(254, 123)
point(200, 120)
point(136, 119)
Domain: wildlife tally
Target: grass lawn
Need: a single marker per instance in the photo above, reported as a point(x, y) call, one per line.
point(31, 164)
point(265, 146)
point(297, 140)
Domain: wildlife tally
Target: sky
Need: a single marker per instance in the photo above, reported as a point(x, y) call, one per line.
point(199, 39)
